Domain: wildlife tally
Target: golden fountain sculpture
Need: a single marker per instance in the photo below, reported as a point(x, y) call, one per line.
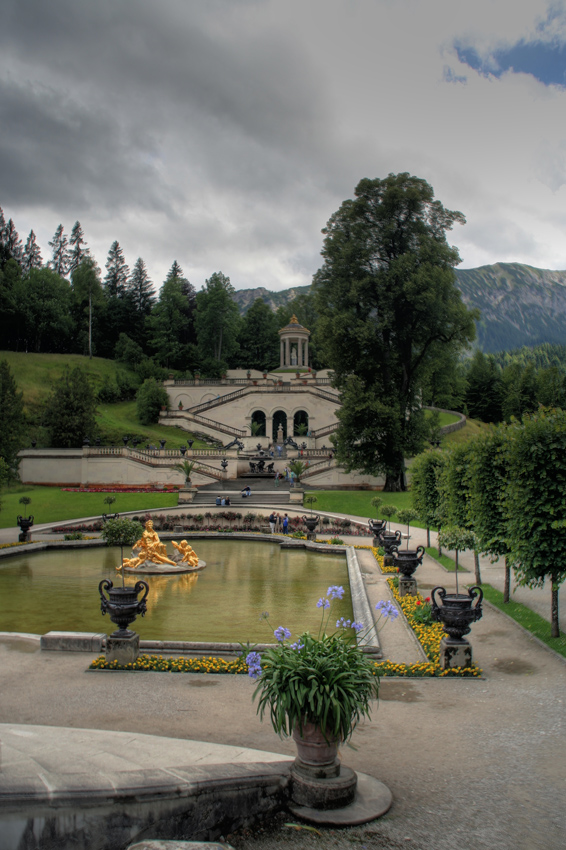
point(150, 554)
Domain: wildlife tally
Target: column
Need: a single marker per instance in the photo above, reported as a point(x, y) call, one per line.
point(290, 425)
point(287, 353)
point(307, 351)
point(281, 354)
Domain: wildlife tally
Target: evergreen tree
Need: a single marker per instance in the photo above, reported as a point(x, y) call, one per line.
point(87, 292)
point(60, 252)
point(217, 321)
point(258, 338)
point(78, 249)
point(117, 272)
point(171, 323)
point(12, 419)
point(32, 258)
point(71, 409)
point(44, 311)
point(12, 242)
point(483, 392)
point(141, 289)
point(2, 224)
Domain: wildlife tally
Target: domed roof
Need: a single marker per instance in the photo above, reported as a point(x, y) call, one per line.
point(294, 326)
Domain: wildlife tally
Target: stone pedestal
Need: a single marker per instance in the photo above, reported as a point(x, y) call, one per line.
point(25, 537)
point(317, 787)
point(311, 535)
point(455, 653)
point(187, 494)
point(407, 586)
point(388, 561)
point(123, 650)
point(296, 495)
point(376, 543)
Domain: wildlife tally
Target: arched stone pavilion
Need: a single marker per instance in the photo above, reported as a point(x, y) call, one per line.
point(294, 343)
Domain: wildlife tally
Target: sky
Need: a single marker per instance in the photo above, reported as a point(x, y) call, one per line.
point(224, 133)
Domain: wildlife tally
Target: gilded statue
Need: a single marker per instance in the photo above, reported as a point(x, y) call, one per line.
point(148, 548)
point(187, 555)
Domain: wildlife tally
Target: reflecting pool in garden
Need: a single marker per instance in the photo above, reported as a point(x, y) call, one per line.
point(57, 590)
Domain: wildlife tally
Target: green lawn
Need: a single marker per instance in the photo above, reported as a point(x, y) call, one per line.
point(50, 504)
point(531, 621)
point(447, 563)
point(357, 502)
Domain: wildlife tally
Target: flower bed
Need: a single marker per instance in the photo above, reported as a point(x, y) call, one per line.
point(123, 488)
point(9, 545)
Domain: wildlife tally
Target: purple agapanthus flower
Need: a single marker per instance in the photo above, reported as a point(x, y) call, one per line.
point(297, 645)
point(357, 627)
point(335, 592)
point(387, 609)
point(282, 633)
point(343, 623)
point(323, 603)
point(253, 660)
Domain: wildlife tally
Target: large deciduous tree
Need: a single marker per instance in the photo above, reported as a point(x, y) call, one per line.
point(389, 311)
point(70, 410)
point(258, 338)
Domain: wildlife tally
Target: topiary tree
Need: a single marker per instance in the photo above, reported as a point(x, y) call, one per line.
point(407, 516)
point(375, 503)
point(121, 532)
point(489, 476)
point(454, 483)
point(150, 398)
point(424, 486)
point(388, 511)
point(458, 539)
point(536, 495)
point(310, 500)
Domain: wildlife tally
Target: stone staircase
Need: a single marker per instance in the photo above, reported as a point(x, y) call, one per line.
point(258, 499)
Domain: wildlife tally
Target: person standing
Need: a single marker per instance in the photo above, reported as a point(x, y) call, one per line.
point(272, 521)
point(285, 523)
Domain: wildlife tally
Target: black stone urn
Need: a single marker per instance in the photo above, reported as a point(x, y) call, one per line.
point(183, 450)
point(162, 443)
point(376, 526)
point(123, 605)
point(25, 524)
point(407, 560)
point(457, 612)
point(311, 522)
point(389, 539)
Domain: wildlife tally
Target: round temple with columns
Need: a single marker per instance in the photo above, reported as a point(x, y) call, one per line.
point(294, 345)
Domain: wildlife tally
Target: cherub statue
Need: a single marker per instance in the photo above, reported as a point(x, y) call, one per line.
point(186, 554)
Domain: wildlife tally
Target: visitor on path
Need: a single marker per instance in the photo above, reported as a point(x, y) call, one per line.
point(285, 523)
point(272, 521)
point(277, 479)
point(292, 479)
point(286, 473)
point(279, 450)
point(278, 523)
point(246, 492)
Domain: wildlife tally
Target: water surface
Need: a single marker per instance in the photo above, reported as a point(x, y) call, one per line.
point(58, 591)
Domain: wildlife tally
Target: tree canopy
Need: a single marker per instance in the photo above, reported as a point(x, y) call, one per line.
point(389, 312)
point(12, 420)
point(70, 410)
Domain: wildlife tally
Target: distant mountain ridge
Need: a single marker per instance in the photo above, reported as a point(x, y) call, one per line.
point(519, 304)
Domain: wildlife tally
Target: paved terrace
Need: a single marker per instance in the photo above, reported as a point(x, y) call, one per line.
point(475, 764)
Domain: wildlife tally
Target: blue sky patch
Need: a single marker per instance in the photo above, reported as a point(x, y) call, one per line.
point(543, 60)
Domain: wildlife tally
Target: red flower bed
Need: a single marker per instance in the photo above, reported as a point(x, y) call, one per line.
point(123, 488)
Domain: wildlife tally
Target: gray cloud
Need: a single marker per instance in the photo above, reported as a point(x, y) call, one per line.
point(224, 133)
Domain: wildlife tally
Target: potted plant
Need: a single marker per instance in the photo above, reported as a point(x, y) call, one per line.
point(187, 467)
point(180, 405)
point(317, 689)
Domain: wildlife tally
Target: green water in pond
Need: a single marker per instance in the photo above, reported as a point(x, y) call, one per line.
point(58, 591)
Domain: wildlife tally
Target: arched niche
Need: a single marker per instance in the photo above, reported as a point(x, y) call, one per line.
point(279, 418)
point(258, 417)
point(300, 423)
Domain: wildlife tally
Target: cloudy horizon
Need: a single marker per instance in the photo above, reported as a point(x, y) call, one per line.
point(224, 134)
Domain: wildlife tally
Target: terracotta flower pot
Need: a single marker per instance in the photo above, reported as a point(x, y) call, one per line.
point(313, 748)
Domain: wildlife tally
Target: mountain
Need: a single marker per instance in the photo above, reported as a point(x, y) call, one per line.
point(519, 305)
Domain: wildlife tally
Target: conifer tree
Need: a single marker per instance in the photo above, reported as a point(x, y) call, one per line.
point(12, 242)
point(60, 247)
point(117, 272)
point(12, 419)
point(141, 288)
point(32, 258)
point(2, 224)
point(78, 249)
